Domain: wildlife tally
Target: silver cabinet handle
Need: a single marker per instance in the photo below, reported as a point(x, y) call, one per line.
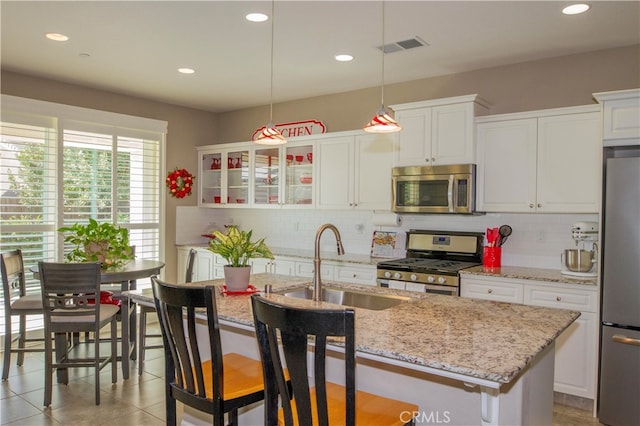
point(626, 340)
point(490, 291)
point(531, 205)
point(539, 205)
point(558, 298)
point(426, 159)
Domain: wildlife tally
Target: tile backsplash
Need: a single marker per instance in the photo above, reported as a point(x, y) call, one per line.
point(537, 239)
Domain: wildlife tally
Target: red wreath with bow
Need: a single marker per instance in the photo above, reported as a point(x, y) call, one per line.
point(179, 183)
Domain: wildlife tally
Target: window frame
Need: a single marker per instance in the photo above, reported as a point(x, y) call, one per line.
point(59, 117)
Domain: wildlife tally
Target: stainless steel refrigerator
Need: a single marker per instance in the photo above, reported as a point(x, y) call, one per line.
point(619, 389)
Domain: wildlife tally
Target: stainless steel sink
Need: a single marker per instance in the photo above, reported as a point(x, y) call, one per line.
point(357, 299)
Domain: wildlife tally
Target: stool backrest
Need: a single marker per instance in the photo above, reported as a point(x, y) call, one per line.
point(190, 261)
point(176, 306)
point(70, 295)
point(294, 327)
point(13, 280)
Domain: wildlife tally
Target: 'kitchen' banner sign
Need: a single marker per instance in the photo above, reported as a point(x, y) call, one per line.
point(296, 128)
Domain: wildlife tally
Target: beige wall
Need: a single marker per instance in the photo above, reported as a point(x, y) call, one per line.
point(547, 83)
point(187, 128)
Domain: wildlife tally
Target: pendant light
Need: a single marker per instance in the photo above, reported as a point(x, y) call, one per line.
point(382, 122)
point(270, 135)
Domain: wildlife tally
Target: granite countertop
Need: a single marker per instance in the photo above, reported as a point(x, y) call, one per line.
point(306, 254)
point(332, 256)
point(488, 340)
point(524, 273)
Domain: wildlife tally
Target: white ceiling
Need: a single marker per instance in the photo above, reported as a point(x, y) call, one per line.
point(135, 48)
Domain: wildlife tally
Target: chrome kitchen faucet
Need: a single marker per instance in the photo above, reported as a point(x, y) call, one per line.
point(317, 282)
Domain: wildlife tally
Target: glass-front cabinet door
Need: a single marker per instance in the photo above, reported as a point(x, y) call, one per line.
point(224, 178)
point(266, 176)
point(210, 182)
point(298, 188)
point(237, 178)
point(283, 175)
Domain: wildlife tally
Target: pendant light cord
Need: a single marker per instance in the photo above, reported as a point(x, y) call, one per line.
point(271, 92)
point(383, 49)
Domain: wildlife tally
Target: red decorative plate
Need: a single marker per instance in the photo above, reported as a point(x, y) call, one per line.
point(250, 290)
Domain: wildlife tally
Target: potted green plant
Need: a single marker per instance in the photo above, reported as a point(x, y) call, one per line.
point(98, 242)
point(236, 247)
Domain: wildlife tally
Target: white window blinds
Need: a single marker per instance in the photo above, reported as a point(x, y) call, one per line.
point(60, 165)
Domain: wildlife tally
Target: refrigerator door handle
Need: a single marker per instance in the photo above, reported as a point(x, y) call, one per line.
point(619, 338)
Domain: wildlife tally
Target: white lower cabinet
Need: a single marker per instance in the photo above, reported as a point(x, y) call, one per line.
point(210, 266)
point(204, 264)
point(576, 348)
point(365, 274)
point(488, 288)
point(306, 269)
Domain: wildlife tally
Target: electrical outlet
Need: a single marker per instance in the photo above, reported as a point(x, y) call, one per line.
point(541, 237)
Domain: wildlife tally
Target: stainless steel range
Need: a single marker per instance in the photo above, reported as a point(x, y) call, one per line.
point(433, 261)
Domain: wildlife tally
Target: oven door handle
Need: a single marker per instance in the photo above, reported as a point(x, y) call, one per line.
point(450, 193)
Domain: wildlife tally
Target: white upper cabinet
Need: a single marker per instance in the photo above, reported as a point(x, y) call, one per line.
point(437, 132)
point(621, 117)
point(223, 176)
point(545, 161)
point(506, 166)
point(355, 171)
point(284, 175)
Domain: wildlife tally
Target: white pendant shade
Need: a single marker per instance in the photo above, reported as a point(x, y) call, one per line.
point(270, 136)
point(382, 123)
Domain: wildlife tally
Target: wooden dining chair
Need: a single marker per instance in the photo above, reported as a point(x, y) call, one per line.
point(17, 303)
point(324, 403)
point(219, 385)
point(71, 303)
point(143, 345)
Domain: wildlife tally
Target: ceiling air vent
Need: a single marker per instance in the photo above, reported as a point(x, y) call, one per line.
point(397, 46)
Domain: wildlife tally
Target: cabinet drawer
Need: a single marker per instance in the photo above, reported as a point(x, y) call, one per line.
point(502, 292)
point(305, 269)
point(356, 275)
point(561, 298)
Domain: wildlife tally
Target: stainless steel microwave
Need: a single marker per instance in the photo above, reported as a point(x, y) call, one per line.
point(434, 189)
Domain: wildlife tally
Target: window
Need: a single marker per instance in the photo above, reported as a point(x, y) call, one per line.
point(60, 165)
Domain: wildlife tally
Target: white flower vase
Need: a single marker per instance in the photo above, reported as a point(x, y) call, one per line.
point(237, 278)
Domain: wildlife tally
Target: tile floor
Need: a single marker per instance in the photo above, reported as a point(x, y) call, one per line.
point(137, 401)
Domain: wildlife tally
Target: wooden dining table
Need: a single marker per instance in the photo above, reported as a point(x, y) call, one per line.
point(120, 279)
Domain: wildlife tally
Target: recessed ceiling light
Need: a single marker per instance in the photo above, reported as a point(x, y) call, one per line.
point(186, 70)
point(575, 9)
point(56, 37)
point(256, 17)
point(344, 57)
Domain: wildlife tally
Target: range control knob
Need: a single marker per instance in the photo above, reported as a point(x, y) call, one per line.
point(442, 280)
point(397, 275)
point(387, 274)
point(431, 278)
point(413, 277)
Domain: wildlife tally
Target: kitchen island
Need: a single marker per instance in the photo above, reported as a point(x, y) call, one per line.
point(463, 361)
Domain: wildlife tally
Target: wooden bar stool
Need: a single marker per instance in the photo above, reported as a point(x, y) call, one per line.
point(17, 303)
point(217, 386)
point(143, 345)
point(325, 403)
